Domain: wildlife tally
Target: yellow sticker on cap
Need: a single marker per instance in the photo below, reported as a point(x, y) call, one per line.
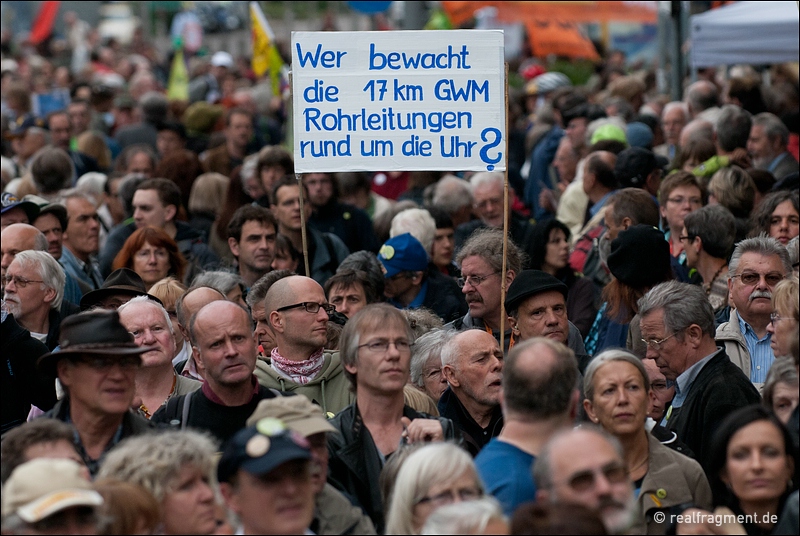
point(257, 446)
point(386, 251)
point(270, 426)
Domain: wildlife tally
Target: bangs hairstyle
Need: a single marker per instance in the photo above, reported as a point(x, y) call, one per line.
point(168, 290)
point(157, 238)
point(785, 298)
point(154, 461)
point(368, 320)
point(433, 464)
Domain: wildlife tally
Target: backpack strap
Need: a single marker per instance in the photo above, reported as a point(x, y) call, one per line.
point(187, 399)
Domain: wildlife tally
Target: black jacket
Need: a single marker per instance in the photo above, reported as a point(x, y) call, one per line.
point(475, 437)
point(444, 297)
point(352, 224)
point(719, 388)
point(204, 414)
point(355, 462)
point(132, 424)
point(22, 385)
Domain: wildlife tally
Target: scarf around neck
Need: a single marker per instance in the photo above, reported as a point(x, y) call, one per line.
point(300, 372)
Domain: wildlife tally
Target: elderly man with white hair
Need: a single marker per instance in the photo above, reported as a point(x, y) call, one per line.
point(156, 380)
point(487, 193)
point(34, 288)
point(673, 119)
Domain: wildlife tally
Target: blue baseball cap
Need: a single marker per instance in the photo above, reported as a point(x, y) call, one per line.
point(9, 201)
point(403, 253)
point(261, 448)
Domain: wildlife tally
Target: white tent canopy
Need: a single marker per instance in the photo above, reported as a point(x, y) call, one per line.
point(746, 32)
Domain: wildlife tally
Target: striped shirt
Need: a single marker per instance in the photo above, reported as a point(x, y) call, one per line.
point(761, 354)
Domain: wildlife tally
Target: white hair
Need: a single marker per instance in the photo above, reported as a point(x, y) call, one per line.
point(680, 105)
point(145, 300)
point(49, 270)
point(437, 463)
point(419, 223)
point(485, 177)
point(468, 517)
point(93, 183)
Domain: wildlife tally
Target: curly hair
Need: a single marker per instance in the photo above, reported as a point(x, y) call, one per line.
point(154, 461)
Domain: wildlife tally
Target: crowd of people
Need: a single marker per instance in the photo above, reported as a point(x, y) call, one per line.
point(199, 341)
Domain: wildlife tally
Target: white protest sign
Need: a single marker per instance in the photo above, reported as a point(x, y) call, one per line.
point(398, 101)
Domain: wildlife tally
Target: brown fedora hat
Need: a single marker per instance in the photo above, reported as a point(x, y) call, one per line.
point(122, 281)
point(91, 332)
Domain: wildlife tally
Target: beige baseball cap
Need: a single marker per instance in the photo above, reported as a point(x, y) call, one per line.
point(42, 487)
point(297, 412)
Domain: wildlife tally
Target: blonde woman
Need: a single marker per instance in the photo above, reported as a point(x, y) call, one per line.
point(433, 476)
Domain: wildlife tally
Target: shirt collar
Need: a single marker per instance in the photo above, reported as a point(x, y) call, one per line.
point(685, 380)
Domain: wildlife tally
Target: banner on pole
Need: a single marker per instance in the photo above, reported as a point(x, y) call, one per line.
point(265, 54)
point(398, 101)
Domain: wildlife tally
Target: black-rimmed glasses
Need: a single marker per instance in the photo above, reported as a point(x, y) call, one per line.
point(309, 306)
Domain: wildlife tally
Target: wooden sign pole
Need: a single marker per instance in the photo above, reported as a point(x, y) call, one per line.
point(505, 230)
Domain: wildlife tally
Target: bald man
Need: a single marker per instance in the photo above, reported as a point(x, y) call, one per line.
point(472, 364)
point(226, 350)
point(19, 237)
point(297, 312)
point(190, 302)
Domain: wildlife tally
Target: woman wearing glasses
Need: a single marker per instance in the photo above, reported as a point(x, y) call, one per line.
point(785, 317)
point(431, 477)
point(151, 253)
point(616, 387)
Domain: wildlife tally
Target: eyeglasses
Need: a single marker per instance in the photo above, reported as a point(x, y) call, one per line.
point(775, 317)
point(752, 278)
point(687, 237)
point(382, 345)
point(452, 495)
point(474, 280)
point(583, 481)
point(310, 307)
point(20, 282)
point(107, 363)
point(656, 344)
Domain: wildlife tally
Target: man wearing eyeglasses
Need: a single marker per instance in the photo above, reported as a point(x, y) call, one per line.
point(481, 261)
point(376, 352)
point(677, 327)
point(586, 467)
point(297, 313)
point(97, 366)
point(225, 350)
point(756, 266)
point(34, 288)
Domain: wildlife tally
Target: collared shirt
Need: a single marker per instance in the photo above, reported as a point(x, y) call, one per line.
point(684, 382)
point(88, 273)
point(778, 159)
point(761, 354)
point(212, 396)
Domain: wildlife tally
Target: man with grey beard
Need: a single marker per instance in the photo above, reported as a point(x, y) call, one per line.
point(585, 466)
point(756, 266)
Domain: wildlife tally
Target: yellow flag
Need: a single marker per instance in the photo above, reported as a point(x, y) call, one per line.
point(178, 85)
point(265, 55)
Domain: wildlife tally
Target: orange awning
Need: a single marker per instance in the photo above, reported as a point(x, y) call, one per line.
point(576, 12)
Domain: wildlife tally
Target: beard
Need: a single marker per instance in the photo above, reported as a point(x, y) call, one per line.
point(620, 519)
